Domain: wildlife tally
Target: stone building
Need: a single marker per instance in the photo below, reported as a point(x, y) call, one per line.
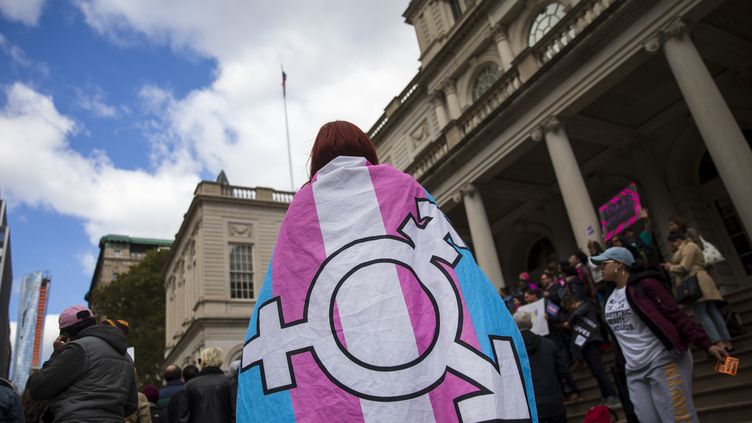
point(527, 115)
point(216, 267)
point(117, 253)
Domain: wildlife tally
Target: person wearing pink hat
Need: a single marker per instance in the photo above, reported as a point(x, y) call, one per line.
point(89, 377)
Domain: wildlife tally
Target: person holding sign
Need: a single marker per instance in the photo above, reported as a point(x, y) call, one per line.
point(652, 336)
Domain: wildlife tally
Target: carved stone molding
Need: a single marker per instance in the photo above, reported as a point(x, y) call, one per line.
point(499, 32)
point(553, 124)
point(469, 190)
point(449, 87)
point(537, 135)
point(240, 230)
point(436, 98)
point(676, 28)
point(653, 44)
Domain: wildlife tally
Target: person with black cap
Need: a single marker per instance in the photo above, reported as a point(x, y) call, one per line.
point(89, 377)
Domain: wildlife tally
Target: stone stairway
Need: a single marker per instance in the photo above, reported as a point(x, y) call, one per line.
point(717, 397)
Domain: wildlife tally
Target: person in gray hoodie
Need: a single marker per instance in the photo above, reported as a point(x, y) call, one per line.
point(89, 377)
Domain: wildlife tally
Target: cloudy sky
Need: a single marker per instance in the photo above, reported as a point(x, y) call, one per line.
point(111, 111)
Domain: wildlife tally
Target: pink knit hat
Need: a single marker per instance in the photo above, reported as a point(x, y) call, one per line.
point(524, 276)
point(72, 315)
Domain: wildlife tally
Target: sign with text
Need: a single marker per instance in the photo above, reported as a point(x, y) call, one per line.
point(620, 212)
point(537, 312)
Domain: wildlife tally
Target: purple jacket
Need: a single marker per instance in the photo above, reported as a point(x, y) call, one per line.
point(657, 308)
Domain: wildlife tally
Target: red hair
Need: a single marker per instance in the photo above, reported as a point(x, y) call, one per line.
point(340, 138)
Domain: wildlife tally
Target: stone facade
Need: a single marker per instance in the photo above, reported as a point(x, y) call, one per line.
point(527, 115)
point(117, 253)
point(217, 266)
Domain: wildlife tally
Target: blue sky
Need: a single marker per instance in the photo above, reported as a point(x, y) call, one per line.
point(112, 111)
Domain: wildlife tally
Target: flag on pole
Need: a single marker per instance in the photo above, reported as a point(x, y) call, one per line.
point(284, 83)
point(374, 309)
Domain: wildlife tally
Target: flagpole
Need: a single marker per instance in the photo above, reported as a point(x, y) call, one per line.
point(287, 127)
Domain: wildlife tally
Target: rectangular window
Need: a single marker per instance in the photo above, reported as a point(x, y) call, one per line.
point(241, 271)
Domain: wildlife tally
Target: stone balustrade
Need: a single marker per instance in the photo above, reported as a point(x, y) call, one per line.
point(488, 102)
point(577, 19)
point(428, 157)
point(244, 193)
point(570, 26)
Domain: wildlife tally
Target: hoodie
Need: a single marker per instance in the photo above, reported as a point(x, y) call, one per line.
point(91, 379)
point(546, 367)
point(656, 307)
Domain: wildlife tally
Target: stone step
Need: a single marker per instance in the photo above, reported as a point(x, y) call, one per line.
point(705, 382)
point(743, 295)
point(727, 412)
point(717, 397)
point(741, 343)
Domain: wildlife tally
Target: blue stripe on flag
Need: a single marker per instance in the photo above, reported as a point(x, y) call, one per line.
point(482, 302)
point(253, 405)
point(484, 306)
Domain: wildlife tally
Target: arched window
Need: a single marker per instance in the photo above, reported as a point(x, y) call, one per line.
point(541, 253)
point(485, 79)
point(545, 20)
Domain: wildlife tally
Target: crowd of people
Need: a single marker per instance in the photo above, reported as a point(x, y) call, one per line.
point(91, 378)
point(623, 299)
point(620, 298)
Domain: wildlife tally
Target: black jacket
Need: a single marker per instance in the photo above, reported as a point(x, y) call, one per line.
point(586, 325)
point(10, 407)
point(546, 366)
point(90, 380)
point(208, 397)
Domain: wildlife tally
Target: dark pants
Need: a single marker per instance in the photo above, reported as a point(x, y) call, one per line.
point(591, 352)
point(558, 419)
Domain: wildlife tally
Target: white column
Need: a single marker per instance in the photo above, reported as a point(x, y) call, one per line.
point(438, 106)
point(503, 46)
point(657, 195)
point(480, 231)
point(451, 96)
point(572, 185)
point(723, 138)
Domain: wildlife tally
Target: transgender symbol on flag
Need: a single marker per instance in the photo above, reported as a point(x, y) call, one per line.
point(426, 245)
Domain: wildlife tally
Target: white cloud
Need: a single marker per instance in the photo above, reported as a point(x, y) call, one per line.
point(346, 60)
point(93, 101)
point(38, 167)
point(26, 11)
point(88, 263)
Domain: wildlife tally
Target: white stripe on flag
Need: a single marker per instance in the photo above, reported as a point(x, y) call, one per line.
point(370, 302)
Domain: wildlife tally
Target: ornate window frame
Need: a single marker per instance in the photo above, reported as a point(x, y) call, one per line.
point(546, 18)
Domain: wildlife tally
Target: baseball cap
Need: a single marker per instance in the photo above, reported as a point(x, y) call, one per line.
point(620, 254)
point(74, 314)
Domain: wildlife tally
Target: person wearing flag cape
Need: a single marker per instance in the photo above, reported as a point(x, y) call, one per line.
point(374, 309)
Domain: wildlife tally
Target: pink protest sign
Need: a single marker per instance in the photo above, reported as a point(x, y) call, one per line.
point(620, 212)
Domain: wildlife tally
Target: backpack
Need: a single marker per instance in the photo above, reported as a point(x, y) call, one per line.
point(600, 414)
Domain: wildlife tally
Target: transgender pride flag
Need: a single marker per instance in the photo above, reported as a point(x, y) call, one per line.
point(374, 310)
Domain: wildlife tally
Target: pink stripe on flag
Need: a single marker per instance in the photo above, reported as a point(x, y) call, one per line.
point(419, 307)
point(391, 194)
point(443, 395)
point(296, 267)
point(315, 398)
